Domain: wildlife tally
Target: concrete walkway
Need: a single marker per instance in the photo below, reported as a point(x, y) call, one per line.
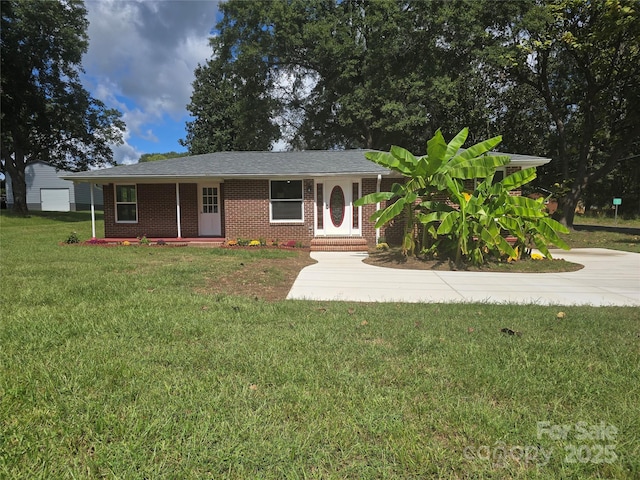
point(608, 278)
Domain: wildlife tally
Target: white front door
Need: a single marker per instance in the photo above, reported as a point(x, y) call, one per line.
point(339, 219)
point(209, 224)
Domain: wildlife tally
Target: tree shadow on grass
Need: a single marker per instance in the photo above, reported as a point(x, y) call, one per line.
point(68, 217)
point(609, 228)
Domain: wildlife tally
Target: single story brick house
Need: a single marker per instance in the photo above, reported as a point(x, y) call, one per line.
point(304, 196)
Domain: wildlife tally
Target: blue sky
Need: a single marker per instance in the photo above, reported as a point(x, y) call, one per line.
point(141, 60)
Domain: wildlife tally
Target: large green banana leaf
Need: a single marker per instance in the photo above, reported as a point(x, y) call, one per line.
point(454, 145)
point(480, 148)
point(374, 198)
point(516, 179)
point(387, 160)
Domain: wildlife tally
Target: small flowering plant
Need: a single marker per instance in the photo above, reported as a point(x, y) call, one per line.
point(96, 241)
point(72, 238)
point(143, 240)
point(232, 243)
point(254, 243)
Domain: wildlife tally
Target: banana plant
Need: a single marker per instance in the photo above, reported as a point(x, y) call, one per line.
point(523, 217)
point(467, 226)
point(476, 229)
point(426, 176)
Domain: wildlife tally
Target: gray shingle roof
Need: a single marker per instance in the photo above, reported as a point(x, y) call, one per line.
point(223, 165)
point(243, 164)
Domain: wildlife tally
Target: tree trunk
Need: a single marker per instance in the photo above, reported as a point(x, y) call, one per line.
point(15, 168)
point(570, 202)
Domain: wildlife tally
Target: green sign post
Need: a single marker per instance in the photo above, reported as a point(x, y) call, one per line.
point(616, 202)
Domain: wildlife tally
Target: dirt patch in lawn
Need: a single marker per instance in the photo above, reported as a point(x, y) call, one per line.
point(268, 279)
point(394, 259)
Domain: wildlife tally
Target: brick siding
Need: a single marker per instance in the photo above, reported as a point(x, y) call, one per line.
point(156, 212)
point(393, 231)
point(246, 213)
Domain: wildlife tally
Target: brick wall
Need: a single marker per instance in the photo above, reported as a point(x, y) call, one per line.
point(368, 228)
point(189, 212)
point(393, 231)
point(246, 213)
point(156, 212)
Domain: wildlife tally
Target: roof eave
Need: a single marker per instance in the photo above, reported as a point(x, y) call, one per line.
point(530, 163)
point(200, 178)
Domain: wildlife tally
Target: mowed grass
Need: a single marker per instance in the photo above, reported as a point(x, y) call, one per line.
point(115, 363)
point(605, 236)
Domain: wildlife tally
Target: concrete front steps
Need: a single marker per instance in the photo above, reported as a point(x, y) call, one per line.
point(339, 244)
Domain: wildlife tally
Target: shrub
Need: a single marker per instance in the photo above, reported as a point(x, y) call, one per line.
point(144, 240)
point(72, 238)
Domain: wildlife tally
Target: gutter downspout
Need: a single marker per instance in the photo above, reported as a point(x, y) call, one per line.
point(93, 213)
point(378, 205)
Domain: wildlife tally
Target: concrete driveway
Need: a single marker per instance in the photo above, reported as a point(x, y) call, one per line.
point(608, 278)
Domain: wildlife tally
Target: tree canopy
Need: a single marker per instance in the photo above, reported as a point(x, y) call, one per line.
point(154, 157)
point(582, 61)
point(326, 74)
point(558, 79)
point(47, 114)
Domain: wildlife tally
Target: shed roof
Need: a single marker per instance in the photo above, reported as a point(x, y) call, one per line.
point(224, 165)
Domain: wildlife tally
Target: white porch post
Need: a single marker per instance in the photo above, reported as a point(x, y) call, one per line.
point(178, 209)
point(93, 213)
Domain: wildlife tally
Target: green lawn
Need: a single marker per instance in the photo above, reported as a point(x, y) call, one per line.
point(115, 363)
point(608, 221)
point(605, 233)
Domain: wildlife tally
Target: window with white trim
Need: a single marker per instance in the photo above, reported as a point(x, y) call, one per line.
point(126, 204)
point(286, 200)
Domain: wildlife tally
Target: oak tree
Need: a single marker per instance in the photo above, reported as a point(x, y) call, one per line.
point(582, 60)
point(348, 74)
point(47, 115)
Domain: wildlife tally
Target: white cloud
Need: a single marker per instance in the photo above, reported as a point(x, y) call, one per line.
point(142, 56)
point(126, 154)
